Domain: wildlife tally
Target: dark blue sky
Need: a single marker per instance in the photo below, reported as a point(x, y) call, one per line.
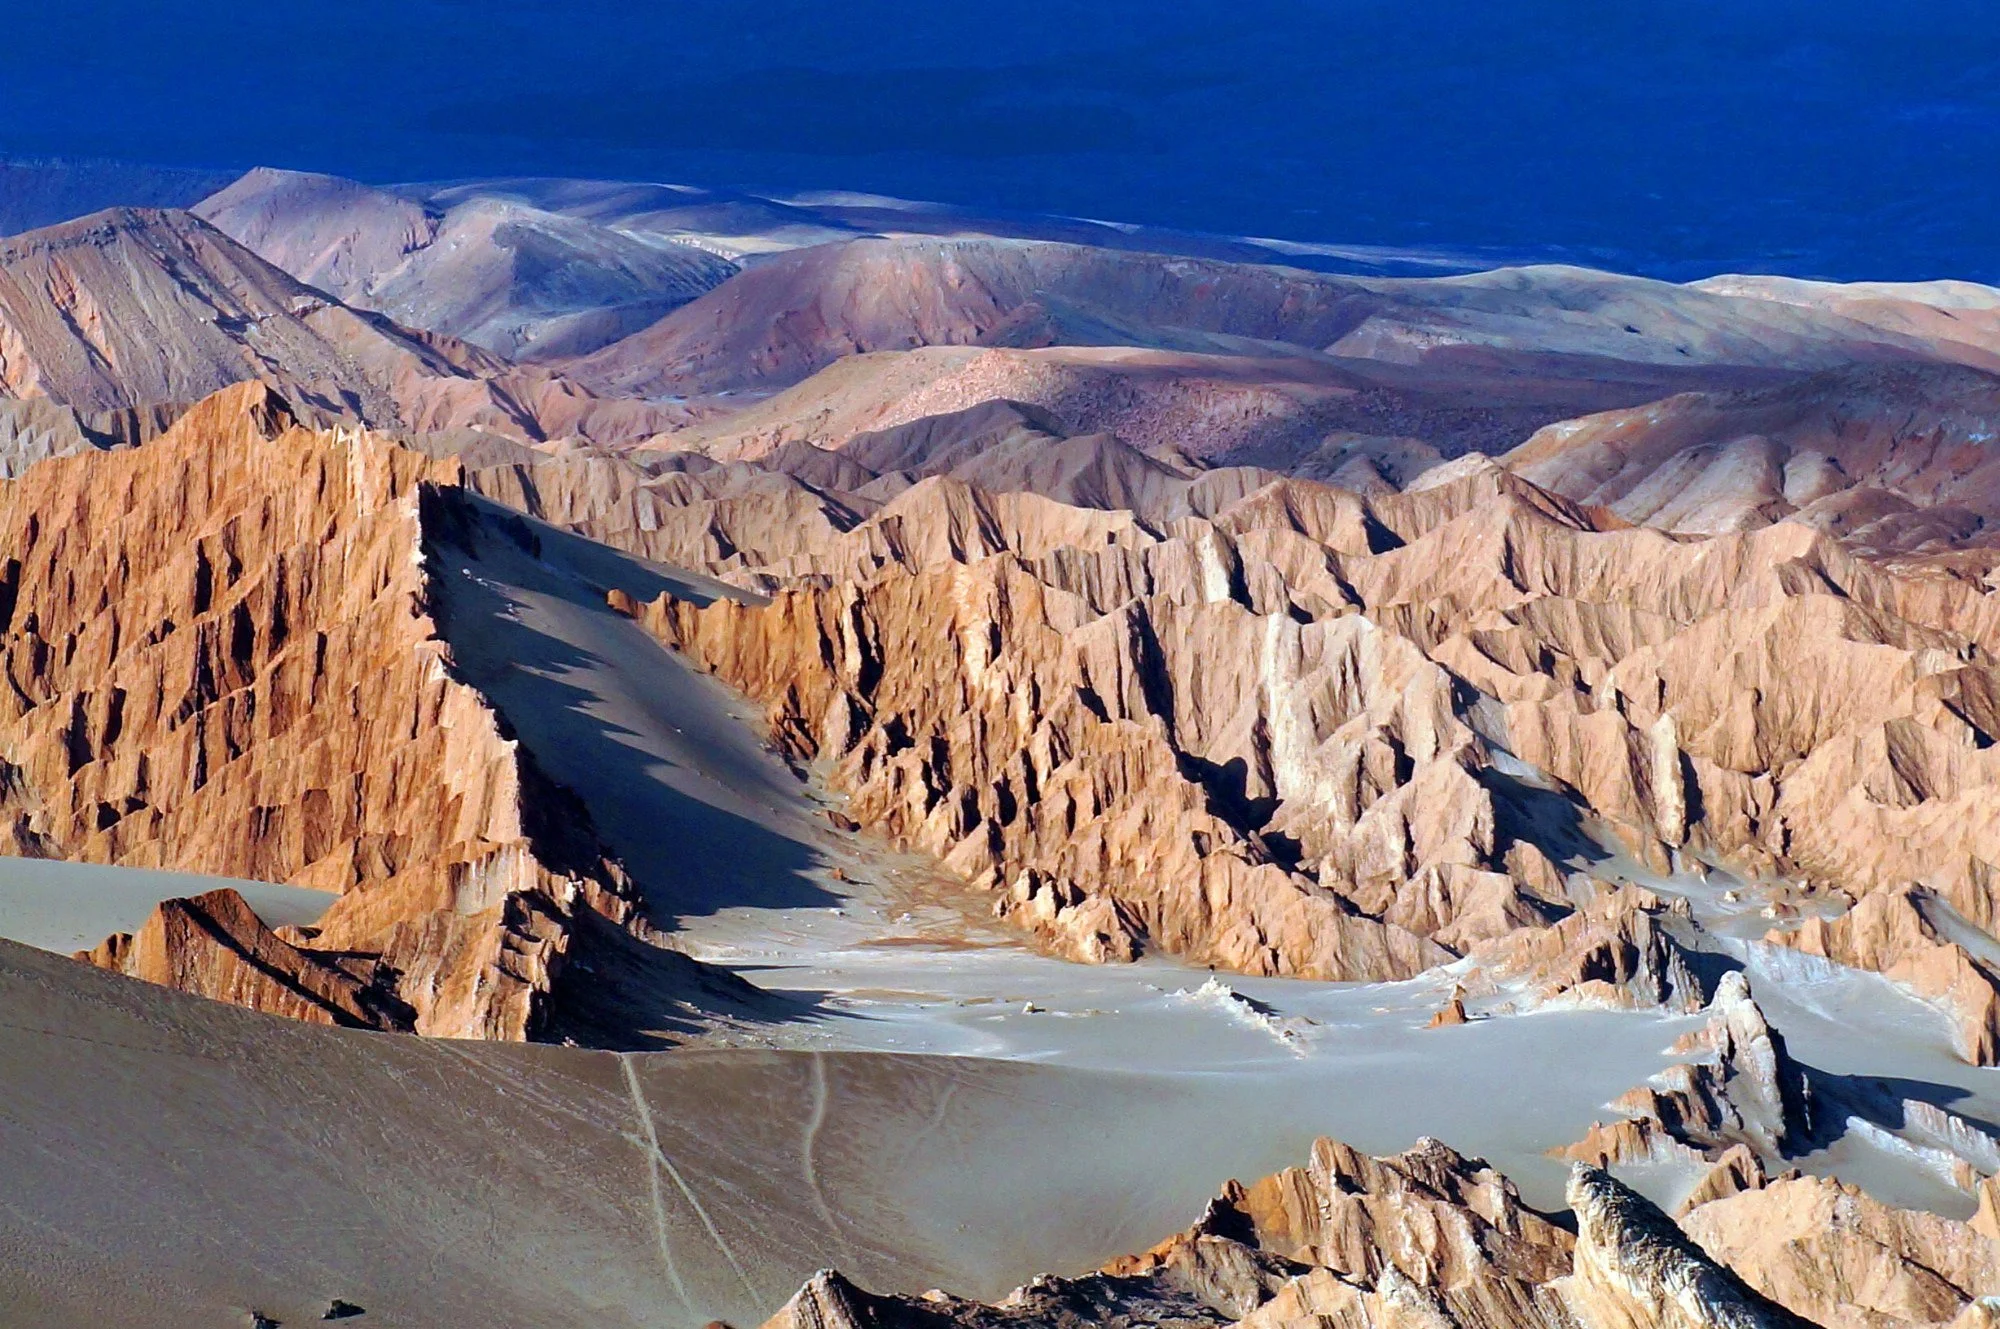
point(1829, 138)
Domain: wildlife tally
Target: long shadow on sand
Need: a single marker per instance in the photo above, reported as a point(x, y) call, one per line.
point(1884, 1100)
point(1541, 817)
point(718, 840)
point(622, 995)
point(600, 564)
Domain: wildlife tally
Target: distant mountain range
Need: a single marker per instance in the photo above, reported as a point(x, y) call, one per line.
point(1836, 140)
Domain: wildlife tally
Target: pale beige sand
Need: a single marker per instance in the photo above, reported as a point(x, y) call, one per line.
point(172, 1162)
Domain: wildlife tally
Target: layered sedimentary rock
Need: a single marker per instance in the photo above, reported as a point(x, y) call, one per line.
point(220, 659)
point(1278, 726)
point(35, 429)
point(129, 316)
point(1893, 459)
point(1961, 313)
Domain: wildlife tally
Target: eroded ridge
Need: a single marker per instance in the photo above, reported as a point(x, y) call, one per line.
point(221, 660)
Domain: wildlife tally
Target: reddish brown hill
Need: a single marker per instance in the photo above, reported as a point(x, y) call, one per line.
point(1898, 459)
point(129, 316)
point(796, 313)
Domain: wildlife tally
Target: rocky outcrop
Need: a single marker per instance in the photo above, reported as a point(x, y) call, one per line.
point(1447, 1223)
point(1431, 711)
point(1741, 1106)
point(1217, 778)
point(1743, 1090)
point(1619, 951)
point(1425, 1239)
point(215, 946)
point(1753, 1092)
point(1636, 1270)
point(36, 429)
point(1830, 1253)
point(220, 659)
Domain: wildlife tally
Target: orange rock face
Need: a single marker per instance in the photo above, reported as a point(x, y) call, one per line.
point(215, 946)
point(1838, 1258)
point(1078, 761)
point(220, 659)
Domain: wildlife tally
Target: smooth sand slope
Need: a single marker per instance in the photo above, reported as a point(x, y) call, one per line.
point(174, 1162)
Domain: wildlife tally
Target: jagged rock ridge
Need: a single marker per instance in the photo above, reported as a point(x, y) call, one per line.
point(1430, 1238)
point(220, 658)
point(1280, 726)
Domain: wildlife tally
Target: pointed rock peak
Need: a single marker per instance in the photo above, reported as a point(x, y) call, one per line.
point(240, 412)
point(1760, 1078)
point(827, 1301)
point(1635, 1267)
point(1734, 1006)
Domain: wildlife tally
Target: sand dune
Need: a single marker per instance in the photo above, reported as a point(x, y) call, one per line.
point(173, 1161)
